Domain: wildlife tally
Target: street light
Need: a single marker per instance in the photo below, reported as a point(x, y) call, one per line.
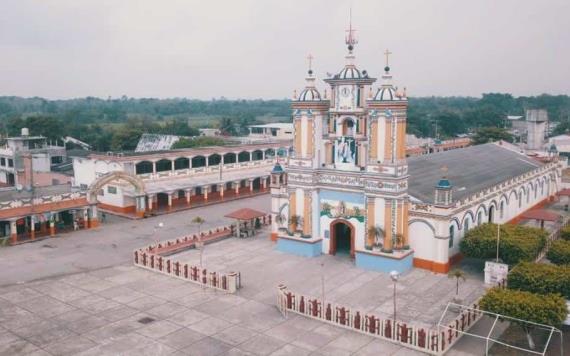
point(157, 227)
point(323, 285)
point(394, 275)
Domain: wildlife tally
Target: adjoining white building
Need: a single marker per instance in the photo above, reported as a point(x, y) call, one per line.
point(136, 184)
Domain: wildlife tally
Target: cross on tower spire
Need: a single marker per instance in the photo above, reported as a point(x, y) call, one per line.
point(310, 59)
point(350, 38)
point(387, 53)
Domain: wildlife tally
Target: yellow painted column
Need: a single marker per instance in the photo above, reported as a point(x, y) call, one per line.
point(307, 216)
point(401, 140)
point(371, 222)
point(328, 153)
point(405, 226)
point(388, 226)
point(388, 141)
point(292, 208)
point(309, 139)
point(298, 138)
point(400, 225)
point(374, 141)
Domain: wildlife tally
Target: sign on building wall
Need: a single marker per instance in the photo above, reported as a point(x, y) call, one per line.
point(495, 272)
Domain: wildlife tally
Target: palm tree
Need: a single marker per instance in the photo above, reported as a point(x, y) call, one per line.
point(198, 220)
point(280, 219)
point(377, 233)
point(457, 274)
point(295, 221)
point(398, 240)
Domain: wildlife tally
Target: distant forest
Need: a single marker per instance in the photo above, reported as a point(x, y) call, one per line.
point(116, 124)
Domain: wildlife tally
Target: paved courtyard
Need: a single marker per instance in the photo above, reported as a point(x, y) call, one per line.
point(80, 295)
point(421, 295)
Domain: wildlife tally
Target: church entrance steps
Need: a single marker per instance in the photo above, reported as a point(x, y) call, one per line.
point(433, 341)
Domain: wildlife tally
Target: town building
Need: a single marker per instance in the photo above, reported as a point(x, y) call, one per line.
point(139, 184)
point(349, 188)
point(43, 155)
point(275, 131)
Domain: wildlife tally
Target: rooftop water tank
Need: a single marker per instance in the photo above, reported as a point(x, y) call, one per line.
point(25, 131)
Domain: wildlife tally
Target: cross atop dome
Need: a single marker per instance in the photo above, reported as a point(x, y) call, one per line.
point(387, 53)
point(350, 38)
point(310, 60)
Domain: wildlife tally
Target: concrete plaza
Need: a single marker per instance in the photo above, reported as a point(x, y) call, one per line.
point(80, 295)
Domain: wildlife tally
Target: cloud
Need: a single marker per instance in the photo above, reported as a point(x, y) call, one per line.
point(251, 49)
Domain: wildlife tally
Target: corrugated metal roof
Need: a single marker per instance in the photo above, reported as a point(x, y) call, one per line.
point(470, 170)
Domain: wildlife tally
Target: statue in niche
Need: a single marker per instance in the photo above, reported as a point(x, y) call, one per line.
point(345, 150)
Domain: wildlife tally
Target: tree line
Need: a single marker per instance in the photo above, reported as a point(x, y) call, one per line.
point(116, 124)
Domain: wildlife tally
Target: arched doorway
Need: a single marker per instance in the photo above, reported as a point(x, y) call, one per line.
point(491, 213)
point(342, 238)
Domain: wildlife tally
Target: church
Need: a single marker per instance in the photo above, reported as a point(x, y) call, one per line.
point(348, 188)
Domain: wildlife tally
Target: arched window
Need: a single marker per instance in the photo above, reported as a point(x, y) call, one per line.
point(256, 155)
point(348, 127)
point(270, 152)
point(198, 161)
point(163, 165)
point(214, 160)
point(528, 196)
point(466, 225)
point(520, 199)
point(479, 218)
point(502, 210)
point(143, 167)
point(244, 156)
point(535, 191)
point(451, 235)
point(230, 158)
point(181, 163)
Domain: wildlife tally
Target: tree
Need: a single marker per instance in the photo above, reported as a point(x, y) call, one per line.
point(202, 141)
point(491, 134)
point(280, 219)
point(541, 278)
point(457, 274)
point(517, 243)
point(296, 221)
point(559, 252)
point(376, 234)
point(547, 309)
point(198, 220)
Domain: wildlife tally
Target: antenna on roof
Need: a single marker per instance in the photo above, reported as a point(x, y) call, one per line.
point(350, 38)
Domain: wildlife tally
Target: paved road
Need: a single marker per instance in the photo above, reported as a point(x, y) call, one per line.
point(88, 250)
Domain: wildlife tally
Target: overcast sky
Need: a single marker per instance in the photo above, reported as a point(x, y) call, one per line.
point(258, 48)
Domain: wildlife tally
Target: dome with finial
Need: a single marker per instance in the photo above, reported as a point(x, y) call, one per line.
point(277, 168)
point(387, 91)
point(310, 93)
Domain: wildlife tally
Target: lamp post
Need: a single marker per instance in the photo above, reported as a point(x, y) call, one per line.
point(157, 227)
point(394, 275)
point(323, 285)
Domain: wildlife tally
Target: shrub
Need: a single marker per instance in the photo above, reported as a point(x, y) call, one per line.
point(517, 243)
point(540, 278)
point(559, 252)
point(565, 233)
point(547, 309)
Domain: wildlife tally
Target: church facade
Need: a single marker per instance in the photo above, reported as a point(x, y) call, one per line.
point(348, 188)
point(346, 183)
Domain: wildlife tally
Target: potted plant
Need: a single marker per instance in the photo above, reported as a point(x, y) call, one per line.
point(280, 219)
point(295, 221)
point(377, 234)
point(457, 274)
point(397, 241)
